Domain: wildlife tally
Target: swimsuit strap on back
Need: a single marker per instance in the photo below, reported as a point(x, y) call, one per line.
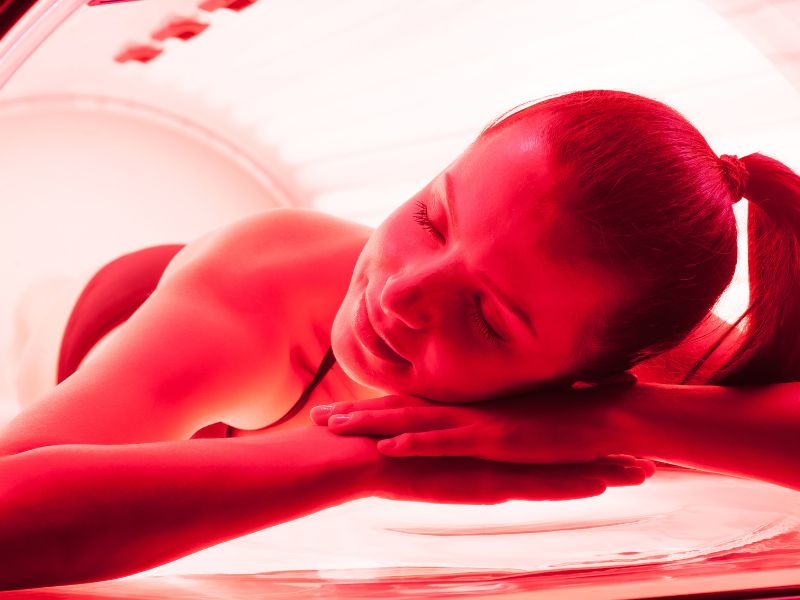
point(325, 366)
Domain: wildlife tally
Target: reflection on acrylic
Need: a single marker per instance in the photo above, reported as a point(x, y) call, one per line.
point(707, 531)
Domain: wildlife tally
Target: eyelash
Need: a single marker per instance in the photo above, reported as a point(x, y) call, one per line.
point(421, 217)
point(483, 325)
point(486, 330)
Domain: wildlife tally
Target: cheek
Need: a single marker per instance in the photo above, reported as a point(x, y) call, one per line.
point(461, 364)
point(372, 259)
point(389, 249)
point(340, 329)
point(397, 238)
point(345, 348)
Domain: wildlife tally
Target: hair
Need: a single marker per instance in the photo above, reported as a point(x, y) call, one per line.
point(652, 200)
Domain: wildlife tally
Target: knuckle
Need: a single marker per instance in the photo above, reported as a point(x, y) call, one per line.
point(408, 415)
point(396, 401)
point(355, 418)
point(507, 437)
point(385, 402)
point(341, 407)
point(435, 443)
point(407, 441)
point(464, 417)
point(362, 417)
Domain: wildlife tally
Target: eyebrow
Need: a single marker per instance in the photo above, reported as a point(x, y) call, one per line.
point(449, 202)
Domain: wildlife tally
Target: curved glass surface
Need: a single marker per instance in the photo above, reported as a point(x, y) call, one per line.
point(682, 531)
point(282, 99)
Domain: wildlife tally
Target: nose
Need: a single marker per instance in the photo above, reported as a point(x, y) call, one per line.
point(417, 296)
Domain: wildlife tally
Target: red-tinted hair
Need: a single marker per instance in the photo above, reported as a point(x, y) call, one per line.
point(651, 199)
point(770, 352)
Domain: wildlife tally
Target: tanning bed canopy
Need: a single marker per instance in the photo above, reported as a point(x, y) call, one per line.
point(134, 123)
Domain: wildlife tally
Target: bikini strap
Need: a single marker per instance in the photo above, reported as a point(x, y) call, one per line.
point(327, 363)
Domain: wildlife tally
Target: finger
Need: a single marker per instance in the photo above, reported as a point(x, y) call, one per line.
point(612, 474)
point(456, 441)
point(625, 378)
point(616, 459)
point(645, 464)
point(541, 482)
point(536, 489)
point(648, 466)
point(321, 413)
point(474, 481)
point(567, 489)
point(394, 421)
point(624, 476)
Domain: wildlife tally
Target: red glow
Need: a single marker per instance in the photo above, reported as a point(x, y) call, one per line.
point(183, 28)
point(138, 52)
point(359, 121)
point(237, 5)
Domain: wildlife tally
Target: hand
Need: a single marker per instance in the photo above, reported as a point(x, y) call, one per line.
point(472, 481)
point(571, 426)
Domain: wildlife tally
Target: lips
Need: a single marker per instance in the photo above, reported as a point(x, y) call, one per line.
point(370, 338)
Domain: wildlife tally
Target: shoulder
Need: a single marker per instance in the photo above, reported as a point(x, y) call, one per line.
point(279, 277)
point(273, 237)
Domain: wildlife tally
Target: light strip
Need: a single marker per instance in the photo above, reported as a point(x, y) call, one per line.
point(31, 31)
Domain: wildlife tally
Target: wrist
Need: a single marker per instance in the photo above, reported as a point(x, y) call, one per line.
point(341, 467)
point(356, 462)
point(627, 428)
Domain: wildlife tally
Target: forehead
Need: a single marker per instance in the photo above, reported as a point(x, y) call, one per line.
point(513, 161)
point(505, 190)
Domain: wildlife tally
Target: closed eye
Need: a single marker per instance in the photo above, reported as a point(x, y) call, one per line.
point(421, 217)
point(485, 329)
point(478, 318)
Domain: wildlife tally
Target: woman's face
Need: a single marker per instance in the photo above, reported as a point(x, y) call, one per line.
point(459, 295)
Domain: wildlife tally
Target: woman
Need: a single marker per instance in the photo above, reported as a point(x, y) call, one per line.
point(751, 430)
point(530, 263)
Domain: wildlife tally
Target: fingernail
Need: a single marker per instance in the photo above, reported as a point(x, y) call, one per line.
point(387, 445)
point(323, 410)
point(338, 419)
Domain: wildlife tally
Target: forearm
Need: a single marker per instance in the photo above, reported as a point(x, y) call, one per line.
point(77, 513)
point(748, 431)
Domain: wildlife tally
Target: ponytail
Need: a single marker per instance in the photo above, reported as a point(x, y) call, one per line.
point(770, 348)
point(650, 201)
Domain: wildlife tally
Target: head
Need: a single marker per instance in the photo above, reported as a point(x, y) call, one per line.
point(571, 240)
point(471, 282)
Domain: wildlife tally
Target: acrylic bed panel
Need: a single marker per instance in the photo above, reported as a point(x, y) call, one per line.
point(683, 532)
point(697, 533)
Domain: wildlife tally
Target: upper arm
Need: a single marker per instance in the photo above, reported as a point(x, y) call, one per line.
point(188, 357)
